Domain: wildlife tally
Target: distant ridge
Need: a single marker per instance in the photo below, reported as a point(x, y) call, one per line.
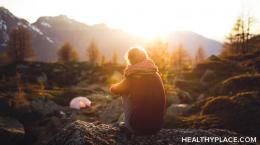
point(50, 32)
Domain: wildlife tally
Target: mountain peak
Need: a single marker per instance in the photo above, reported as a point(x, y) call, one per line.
point(58, 20)
point(47, 18)
point(62, 17)
point(4, 11)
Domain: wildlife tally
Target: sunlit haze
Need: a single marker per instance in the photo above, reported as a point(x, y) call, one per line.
point(211, 18)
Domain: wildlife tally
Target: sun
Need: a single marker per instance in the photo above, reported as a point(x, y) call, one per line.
point(151, 19)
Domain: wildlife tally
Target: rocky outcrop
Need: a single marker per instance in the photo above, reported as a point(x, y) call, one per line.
point(44, 107)
point(111, 113)
point(83, 133)
point(240, 83)
point(11, 131)
point(179, 97)
point(240, 112)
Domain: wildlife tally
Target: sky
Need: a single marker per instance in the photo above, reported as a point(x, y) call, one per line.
point(145, 18)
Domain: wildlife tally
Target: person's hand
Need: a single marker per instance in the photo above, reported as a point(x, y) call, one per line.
point(112, 88)
point(119, 88)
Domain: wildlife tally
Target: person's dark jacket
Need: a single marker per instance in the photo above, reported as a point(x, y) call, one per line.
point(143, 98)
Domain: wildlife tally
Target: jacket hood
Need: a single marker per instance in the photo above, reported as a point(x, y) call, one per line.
point(143, 68)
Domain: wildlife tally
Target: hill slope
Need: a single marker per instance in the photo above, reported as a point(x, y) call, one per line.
point(192, 41)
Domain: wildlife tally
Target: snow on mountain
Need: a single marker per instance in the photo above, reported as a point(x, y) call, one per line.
point(49, 39)
point(21, 24)
point(45, 24)
point(36, 29)
point(40, 43)
point(3, 26)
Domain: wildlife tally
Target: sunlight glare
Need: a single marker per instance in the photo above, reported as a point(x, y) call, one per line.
point(148, 19)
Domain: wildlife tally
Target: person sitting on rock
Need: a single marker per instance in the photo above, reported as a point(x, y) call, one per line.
point(143, 94)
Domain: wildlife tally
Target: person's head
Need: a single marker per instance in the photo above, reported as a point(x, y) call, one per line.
point(136, 55)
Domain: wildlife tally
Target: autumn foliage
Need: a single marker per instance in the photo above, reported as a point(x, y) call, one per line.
point(67, 54)
point(19, 45)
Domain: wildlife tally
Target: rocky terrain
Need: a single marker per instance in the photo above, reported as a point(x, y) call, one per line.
point(218, 97)
point(82, 133)
point(11, 131)
point(37, 96)
point(225, 95)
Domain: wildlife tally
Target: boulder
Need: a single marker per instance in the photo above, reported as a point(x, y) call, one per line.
point(174, 116)
point(207, 76)
point(201, 97)
point(83, 133)
point(44, 107)
point(220, 67)
point(214, 58)
point(178, 96)
point(193, 86)
point(42, 78)
point(240, 112)
point(240, 83)
point(11, 131)
point(111, 113)
point(5, 104)
point(44, 129)
point(176, 109)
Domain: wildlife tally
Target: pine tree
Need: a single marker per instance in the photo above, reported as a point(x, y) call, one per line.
point(238, 38)
point(114, 58)
point(180, 57)
point(67, 53)
point(20, 96)
point(200, 55)
point(103, 60)
point(93, 53)
point(20, 45)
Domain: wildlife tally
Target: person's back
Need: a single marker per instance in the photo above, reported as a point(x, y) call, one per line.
point(143, 97)
point(148, 99)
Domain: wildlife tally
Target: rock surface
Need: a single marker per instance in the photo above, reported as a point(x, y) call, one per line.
point(44, 107)
point(11, 131)
point(83, 133)
point(240, 112)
